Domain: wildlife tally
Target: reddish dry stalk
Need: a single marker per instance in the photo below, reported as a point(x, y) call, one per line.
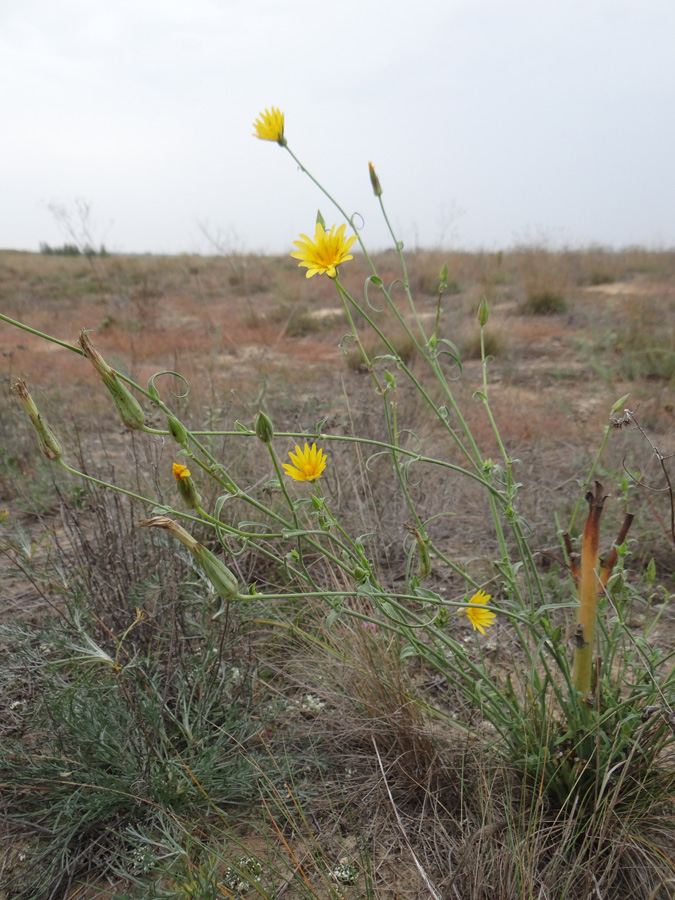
point(588, 592)
point(590, 584)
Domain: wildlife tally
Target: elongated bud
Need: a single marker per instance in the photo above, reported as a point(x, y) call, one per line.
point(264, 428)
point(186, 486)
point(425, 558)
point(217, 572)
point(128, 408)
point(177, 431)
point(320, 219)
point(374, 180)
point(47, 440)
point(619, 404)
point(483, 312)
point(422, 542)
point(443, 277)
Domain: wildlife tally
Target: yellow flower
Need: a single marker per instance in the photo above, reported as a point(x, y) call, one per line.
point(479, 618)
point(307, 464)
point(180, 471)
point(325, 252)
point(269, 126)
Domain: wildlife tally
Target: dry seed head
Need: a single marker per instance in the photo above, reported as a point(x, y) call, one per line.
point(49, 445)
point(128, 408)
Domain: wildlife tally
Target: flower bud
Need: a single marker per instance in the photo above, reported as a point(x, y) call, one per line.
point(264, 428)
point(425, 559)
point(375, 181)
point(186, 486)
point(483, 312)
point(217, 572)
point(320, 219)
point(128, 408)
point(422, 541)
point(177, 431)
point(443, 277)
point(47, 440)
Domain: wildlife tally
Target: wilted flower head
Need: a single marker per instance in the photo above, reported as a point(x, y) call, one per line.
point(47, 440)
point(128, 408)
point(325, 252)
point(308, 464)
point(480, 618)
point(269, 126)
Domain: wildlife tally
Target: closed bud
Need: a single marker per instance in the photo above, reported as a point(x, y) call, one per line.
point(47, 440)
point(320, 219)
point(443, 277)
point(425, 559)
point(217, 572)
point(128, 408)
point(178, 431)
point(264, 428)
point(483, 312)
point(422, 542)
point(374, 180)
point(186, 486)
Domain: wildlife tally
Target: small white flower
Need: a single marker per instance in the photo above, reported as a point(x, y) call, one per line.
point(236, 676)
point(344, 872)
point(312, 703)
point(245, 864)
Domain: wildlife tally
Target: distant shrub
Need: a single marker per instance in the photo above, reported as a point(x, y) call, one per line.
point(71, 250)
point(645, 343)
point(596, 278)
point(544, 302)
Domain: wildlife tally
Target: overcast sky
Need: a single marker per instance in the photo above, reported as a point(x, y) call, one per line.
point(490, 122)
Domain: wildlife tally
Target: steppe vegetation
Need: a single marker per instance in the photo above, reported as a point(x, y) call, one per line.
point(330, 725)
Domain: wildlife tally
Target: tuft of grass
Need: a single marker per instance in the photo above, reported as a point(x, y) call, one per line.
point(545, 278)
point(543, 301)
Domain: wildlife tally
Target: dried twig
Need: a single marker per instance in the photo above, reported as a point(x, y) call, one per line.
point(425, 878)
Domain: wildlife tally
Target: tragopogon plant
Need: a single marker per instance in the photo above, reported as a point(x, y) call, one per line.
point(566, 727)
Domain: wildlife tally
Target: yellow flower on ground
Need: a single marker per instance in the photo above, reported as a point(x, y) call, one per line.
point(269, 126)
point(180, 471)
point(325, 252)
point(308, 464)
point(479, 618)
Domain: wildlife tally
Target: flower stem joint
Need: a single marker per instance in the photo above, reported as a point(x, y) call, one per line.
point(128, 408)
point(49, 445)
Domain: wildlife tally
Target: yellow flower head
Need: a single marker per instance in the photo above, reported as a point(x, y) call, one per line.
point(180, 471)
point(307, 464)
point(269, 126)
point(479, 618)
point(325, 252)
